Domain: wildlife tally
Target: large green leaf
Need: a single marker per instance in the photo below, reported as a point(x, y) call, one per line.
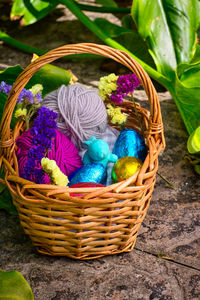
point(50, 76)
point(169, 27)
point(128, 38)
point(31, 10)
point(13, 286)
point(187, 94)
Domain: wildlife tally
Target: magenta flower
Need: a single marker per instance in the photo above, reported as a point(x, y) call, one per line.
point(125, 84)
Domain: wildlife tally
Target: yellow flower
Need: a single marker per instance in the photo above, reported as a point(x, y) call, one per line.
point(119, 119)
point(35, 56)
point(56, 175)
point(20, 112)
point(115, 114)
point(73, 78)
point(107, 85)
point(37, 88)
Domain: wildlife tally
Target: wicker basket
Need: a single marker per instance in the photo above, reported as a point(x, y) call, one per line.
point(104, 220)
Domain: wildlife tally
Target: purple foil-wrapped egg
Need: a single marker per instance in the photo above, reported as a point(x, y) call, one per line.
point(130, 143)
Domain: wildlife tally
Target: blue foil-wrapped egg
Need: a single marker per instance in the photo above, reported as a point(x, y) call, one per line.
point(130, 143)
point(95, 173)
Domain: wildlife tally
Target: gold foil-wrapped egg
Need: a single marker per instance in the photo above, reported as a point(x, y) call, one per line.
point(125, 167)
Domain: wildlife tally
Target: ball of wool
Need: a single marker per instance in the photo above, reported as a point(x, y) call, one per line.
point(81, 112)
point(63, 152)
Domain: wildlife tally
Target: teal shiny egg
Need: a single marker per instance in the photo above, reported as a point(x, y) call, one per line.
point(95, 173)
point(130, 143)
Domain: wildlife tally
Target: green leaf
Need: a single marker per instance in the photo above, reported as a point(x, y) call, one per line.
point(107, 3)
point(193, 143)
point(6, 202)
point(196, 56)
point(51, 77)
point(169, 27)
point(31, 11)
point(189, 74)
point(10, 74)
point(13, 286)
point(134, 43)
point(128, 38)
point(186, 94)
point(111, 29)
point(2, 187)
point(5, 197)
point(127, 22)
point(197, 169)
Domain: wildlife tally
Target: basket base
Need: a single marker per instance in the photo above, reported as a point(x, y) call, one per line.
point(84, 256)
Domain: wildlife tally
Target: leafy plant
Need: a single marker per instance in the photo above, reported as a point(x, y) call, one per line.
point(13, 286)
point(31, 11)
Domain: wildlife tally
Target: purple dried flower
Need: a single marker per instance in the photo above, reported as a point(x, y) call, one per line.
point(43, 132)
point(116, 98)
point(36, 153)
point(38, 97)
point(25, 95)
point(44, 127)
point(39, 175)
point(125, 84)
point(5, 88)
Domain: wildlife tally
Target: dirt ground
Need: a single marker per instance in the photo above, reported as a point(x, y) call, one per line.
point(165, 263)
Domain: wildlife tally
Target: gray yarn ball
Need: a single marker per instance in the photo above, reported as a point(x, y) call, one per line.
point(81, 112)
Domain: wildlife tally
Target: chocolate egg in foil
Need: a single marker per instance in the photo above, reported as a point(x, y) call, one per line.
point(95, 173)
point(130, 143)
point(125, 167)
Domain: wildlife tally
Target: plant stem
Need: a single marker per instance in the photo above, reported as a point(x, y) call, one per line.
point(104, 9)
point(29, 49)
point(73, 7)
point(137, 115)
point(7, 39)
point(166, 180)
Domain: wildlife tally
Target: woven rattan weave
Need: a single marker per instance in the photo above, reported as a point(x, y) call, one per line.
point(104, 220)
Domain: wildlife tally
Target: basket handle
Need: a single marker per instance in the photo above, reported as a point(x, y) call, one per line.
point(155, 126)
